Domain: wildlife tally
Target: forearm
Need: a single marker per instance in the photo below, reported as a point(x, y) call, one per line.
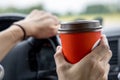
point(8, 39)
point(36, 24)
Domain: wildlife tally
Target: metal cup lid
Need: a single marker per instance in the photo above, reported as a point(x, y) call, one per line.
point(79, 26)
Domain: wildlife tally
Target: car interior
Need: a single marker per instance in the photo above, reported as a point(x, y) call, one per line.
point(32, 59)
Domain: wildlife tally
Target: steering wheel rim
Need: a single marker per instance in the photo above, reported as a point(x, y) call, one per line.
point(10, 18)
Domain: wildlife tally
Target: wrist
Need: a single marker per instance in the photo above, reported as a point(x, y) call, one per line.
point(23, 30)
point(16, 32)
point(25, 25)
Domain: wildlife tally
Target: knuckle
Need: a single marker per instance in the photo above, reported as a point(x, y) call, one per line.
point(104, 46)
point(92, 62)
point(93, 58)
point(42, 11)
point(48, 15)
point(55, 17)
point(56, 55)
point(51, 21)
point(35, 10)
point(108, 66)
point(110, 53)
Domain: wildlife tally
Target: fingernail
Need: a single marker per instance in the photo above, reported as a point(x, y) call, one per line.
point(58, 47)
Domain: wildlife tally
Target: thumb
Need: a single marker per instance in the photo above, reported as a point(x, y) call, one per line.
point(59, 58)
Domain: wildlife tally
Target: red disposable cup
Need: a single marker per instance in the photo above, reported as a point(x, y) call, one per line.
point(79, 38)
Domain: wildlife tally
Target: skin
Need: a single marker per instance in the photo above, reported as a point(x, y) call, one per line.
point(38, 24)
point(94, 66)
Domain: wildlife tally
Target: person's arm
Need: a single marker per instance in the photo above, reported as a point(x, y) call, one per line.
point(37, 24)
point(8, 39)
point(94, 66)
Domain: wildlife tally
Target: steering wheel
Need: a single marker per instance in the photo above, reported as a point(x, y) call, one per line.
point(31, 59)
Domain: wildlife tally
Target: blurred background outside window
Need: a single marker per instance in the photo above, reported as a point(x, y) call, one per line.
point(107, 11)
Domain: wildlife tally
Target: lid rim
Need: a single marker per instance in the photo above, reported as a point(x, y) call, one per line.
point(67, 29)
point(78, 31)
point(82, 25)
point(80, 22)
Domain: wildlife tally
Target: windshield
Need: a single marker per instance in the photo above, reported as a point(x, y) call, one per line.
point(106, 11)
